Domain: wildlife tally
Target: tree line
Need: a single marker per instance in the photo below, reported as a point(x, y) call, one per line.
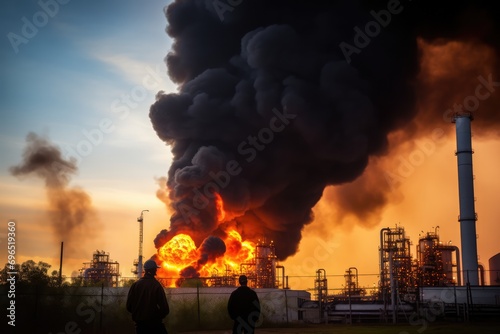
point(31, 273)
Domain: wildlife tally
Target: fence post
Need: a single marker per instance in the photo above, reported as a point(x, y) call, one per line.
point(36, 301)
point(198, 301)
point(286, 307)
point(100, 316)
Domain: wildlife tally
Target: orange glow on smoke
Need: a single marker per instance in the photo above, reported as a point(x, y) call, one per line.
point(449, 76)
point(181, 252)
point(219, 204)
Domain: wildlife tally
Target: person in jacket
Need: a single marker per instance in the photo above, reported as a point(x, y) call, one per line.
point(147, 303)
point(244, 308)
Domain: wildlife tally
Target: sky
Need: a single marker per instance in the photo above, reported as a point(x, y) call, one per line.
point(85, 78)
point(89, 65)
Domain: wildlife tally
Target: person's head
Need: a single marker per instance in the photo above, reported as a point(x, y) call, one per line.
point(243, 280)
point(150, 267)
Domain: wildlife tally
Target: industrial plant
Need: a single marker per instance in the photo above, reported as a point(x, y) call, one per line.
point(100, 270)
point(411, 276)
point(440, 274)
point(405, 282)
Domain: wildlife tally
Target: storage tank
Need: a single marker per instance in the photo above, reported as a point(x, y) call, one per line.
point(494, 264)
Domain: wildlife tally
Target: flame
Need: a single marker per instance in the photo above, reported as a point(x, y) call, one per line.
point(219, 204)
point(181, 252)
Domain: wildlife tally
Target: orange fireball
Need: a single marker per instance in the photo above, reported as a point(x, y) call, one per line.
point(181, 253)
point(178, 253)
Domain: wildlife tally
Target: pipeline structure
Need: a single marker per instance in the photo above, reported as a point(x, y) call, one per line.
point(100, 270)
point(406, 283)
point(262, 271)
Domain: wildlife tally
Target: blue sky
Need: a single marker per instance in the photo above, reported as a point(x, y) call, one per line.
point(87, 75)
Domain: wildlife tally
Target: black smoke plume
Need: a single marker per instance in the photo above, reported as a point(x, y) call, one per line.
point(70, 208)
point(271, 108)
point(211, 248)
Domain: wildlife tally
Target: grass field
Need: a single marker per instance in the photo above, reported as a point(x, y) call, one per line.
point(432, 328)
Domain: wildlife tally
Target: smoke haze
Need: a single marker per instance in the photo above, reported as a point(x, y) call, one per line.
point(70, 208)
point(271, 110)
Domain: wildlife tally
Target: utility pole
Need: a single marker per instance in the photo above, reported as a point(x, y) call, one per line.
point(139, 265)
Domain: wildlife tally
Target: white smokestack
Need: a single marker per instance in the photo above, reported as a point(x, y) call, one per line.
point(467, 216)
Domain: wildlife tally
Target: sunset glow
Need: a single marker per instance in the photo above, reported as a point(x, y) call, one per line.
point(251, 132)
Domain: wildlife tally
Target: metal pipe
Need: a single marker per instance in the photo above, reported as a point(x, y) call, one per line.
point(320, 292)
point(459, 270)
point(349, 296)
point(393, 290)
point(282, 275)
point(481, 272)
point(382, 283)
point(468, 215)
point(357, 284)
point(382, 280)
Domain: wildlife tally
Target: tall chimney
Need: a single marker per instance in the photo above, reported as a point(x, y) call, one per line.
point(467, 216)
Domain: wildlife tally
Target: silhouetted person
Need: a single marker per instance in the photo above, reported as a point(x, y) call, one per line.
point(244, 308)
point(147, 302)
